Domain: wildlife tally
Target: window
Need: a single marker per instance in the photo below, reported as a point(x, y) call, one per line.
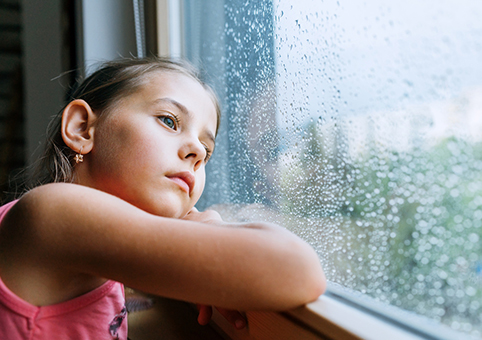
point(358, 126)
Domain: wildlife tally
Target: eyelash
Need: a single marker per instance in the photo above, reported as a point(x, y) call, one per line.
point(208, 154)
point(173, 117)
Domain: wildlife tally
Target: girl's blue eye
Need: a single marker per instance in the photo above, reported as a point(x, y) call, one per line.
point(170, 122)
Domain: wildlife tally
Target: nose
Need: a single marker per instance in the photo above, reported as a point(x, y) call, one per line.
point(194, 152)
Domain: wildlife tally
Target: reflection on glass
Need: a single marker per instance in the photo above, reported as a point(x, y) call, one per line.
point(358, 125)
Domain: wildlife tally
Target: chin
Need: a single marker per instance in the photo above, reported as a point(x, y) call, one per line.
point(168, 204)
point(171, 209)
point(164, 211)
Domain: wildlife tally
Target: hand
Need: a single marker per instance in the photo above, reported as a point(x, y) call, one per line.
point(234, 317)
point(208, 216)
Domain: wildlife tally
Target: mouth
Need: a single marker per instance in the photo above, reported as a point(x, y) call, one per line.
point(184, 179)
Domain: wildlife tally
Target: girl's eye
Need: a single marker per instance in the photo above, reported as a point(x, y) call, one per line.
point(170, 122)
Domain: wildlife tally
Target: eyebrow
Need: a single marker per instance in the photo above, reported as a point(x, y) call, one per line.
point(184, 111)
point(181, 107)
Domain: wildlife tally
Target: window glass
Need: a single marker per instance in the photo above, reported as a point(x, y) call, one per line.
point(358, 125)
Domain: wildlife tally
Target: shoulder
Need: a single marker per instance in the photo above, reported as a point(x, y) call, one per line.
point(59, 223)
point(43, 204)
point(53, 211)
point(60, 193)
point(62, 198)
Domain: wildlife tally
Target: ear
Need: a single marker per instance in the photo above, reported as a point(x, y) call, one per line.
point(78, 126)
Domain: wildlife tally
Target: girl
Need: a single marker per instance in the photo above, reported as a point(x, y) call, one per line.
point(114, 203)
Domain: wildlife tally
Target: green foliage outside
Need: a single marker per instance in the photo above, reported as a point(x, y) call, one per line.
point(409, 223)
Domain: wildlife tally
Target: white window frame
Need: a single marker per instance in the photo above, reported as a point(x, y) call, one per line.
point(336, 315)
point(169, 28)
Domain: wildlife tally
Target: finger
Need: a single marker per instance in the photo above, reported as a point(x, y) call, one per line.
point(234, 317)
point(205, 314)
point(191, 214)
point(211, 217)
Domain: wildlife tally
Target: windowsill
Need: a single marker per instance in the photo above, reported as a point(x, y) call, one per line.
point(325, 318)
point(330, 317)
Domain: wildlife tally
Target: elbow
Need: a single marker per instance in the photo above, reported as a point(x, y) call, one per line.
point(319, 286)
point(315, 281)
point(310, 281)
point(290, 274)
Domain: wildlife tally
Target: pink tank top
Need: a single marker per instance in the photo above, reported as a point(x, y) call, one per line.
point(99, 314)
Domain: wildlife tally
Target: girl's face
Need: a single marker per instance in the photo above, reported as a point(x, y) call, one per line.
point(151, 149)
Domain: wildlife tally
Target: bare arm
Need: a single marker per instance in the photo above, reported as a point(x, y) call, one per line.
point(82, 230)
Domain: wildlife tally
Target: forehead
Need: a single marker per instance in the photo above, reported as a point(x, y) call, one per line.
point(176, 84)
point(181, 88)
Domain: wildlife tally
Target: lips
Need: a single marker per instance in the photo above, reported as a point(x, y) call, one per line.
point(184, 179)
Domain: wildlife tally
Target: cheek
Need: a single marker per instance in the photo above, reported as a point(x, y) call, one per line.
point(116, 151)
point(200, 183)
point(121, 141)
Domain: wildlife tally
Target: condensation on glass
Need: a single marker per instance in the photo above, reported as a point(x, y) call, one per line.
point(358, 125)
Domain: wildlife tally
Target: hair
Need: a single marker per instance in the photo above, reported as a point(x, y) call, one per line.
point(103, 90)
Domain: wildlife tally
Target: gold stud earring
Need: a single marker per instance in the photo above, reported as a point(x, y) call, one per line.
point(79, 158)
